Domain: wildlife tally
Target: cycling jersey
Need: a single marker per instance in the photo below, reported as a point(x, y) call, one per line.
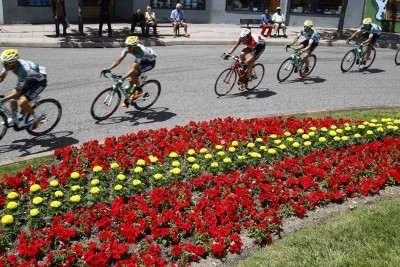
point(28, 73)
point(373, 30)
point(141, 53)
point(311, 35)
point(253, 41)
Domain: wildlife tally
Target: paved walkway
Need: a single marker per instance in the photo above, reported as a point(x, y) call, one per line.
point(43, 35)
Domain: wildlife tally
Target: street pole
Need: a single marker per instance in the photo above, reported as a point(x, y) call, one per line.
point(80, 19)
point(341, 19)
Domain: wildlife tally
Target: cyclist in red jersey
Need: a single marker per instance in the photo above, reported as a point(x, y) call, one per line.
point(255, 46)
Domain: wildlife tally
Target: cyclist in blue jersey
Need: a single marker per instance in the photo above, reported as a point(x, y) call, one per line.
point(369, 32)
point(32, 80)
point(309, 44)
point(145, 60)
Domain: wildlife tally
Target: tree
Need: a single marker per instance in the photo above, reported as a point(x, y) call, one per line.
point(341, 19)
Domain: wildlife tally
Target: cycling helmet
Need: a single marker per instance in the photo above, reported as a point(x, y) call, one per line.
point(308, 23)
point(132, 41)
point(9, 56)
point(245, 33)
point(367, 21)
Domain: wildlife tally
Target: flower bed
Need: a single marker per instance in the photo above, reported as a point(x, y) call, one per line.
point(189, 192)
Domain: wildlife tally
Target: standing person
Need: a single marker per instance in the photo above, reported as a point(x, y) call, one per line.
point(151, 21)
point(178, 20)
point(266, 23)
point(279, 22)
point(138, 20)
point(309, 44)
point(105, 15)
point(371, 33)
point(59, 15)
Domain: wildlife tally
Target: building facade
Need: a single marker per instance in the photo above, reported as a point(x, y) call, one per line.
point(324, 13)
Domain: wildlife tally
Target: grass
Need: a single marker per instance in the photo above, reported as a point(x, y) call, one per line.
point(14, 168)
point(368, 236)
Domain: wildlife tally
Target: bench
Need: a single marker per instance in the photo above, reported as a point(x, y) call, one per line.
point(250, 23)
point(166, 22)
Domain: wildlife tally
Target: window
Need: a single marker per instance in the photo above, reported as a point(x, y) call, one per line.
point(171, 4)
point(252, 5)
point(34, 2)
point(327, 7)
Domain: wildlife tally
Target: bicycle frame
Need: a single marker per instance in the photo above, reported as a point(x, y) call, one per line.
point(359, 50)
point(7, 111)
point(235, 67)
point(296, 57)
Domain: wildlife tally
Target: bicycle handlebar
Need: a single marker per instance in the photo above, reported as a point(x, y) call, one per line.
point(296, 51)
point(228, 55)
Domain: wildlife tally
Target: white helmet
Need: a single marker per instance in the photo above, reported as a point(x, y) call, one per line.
point(132, 41)
point(9, 56)
point(245, 33)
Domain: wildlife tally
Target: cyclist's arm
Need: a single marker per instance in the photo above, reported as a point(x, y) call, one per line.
point(15, 94)
point(3, 75)
point(367, 41)
point(117, 62)
point(295, 40)
point(131, 71)
point(233, 48)
point(310, 42)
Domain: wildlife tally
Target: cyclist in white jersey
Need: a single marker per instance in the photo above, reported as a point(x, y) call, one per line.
point(309, 44)
point(369, 31)
point(32, 79)
point(145, 60)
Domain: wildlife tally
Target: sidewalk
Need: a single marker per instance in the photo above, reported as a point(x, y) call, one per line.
point(43, 35)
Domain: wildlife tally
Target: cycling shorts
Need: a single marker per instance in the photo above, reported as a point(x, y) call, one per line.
point(313, 45)
point(146, 65)
point(32, 90)
point(258, 50)
point(374, 39)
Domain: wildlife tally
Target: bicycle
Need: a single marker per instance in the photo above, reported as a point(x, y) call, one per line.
point(49, 108)
point(227, 79)
point(397, 57)
point(296, 63)
point(357, 55)
point(109, 99)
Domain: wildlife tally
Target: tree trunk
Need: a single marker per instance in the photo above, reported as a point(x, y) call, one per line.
point(341, 19)
point(80, 19)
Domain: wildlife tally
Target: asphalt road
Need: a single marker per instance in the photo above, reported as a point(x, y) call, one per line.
point(187, 75)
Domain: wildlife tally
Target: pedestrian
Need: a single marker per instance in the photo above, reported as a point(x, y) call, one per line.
point(59, 16)
point(151, 21)
point(265, 23)
point(138, 20)
point(178, 20)
point(105, 15)
point(279, 22)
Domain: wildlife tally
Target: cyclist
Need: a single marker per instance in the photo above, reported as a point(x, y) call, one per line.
point(32, 80)
point(369, 31)
point(308, 45)
point(255, 46)
point(145, 60)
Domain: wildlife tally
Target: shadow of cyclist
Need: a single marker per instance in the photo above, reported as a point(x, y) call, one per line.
point(372, 71)
point(250, 94)
point(307, 80)
point(45, 143)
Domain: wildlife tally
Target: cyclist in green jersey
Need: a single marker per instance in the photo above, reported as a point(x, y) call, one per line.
point(32, 80)
point(145, 60)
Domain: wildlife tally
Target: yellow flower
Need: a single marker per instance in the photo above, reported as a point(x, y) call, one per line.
point(75, 198)
point(332, 133)
point(231, 149)
point(221, 153)
point(227, 160)
point(97, 169)
point(290, 139)
point(333, 127)
point(173, 155)
point(374, 120)
point(250, 145)
point(153, 159)
point(7, 219)
point(305, 136)
point(203, 150)
point(114, 165)
point(369, 132)
point(372, 125)
point(219, 147)
point(324, 129)
point(361, 127)
point(214, 164)
point(136, 182)
point(271, 151)
point(273, 136)
point(12, 205)
point(300, 131)
point(138, 169)
point(365, 122)
point(235, 143)
point(208, 156)
point(141, 162)
point(12, 195)
point(311, 134)
point(54, 183)
point(322, 139)
point(191, 159)
point(282, 147)
point(35, 188)
point(339, 131)
point(176, 163)
point(277, 142)
point(94, 190)
point(58, 194)
point(395, 128)
point(263, 148)
point(75, 187)
point(255, 155)
point(307, 143)
point(34, 212)
point(357, 135)
point(55, 204)
point(75, 175)
point(347, 128)
point(241, 157)
point(37, 200)
point(118, 187)
point(346, 124)
point(175, 171)
point(295, 144)
point(195, 166)
point(396, 121)
point(313, 128)
point(157, 176)
point(191, 152)
point(345, 138)
point(379, 129)
point(121, 177)
point(95, 182)
point(259, 140)
point(287, 134)
point(336, 138)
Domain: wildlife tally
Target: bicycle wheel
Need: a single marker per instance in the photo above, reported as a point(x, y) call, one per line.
point(312, 61)
point(397, 57)
point(285, 70)
point(372, 56)
point(225, 82)
point(51, 114)
point(3, 125)
point(151, 92)
point(105, 104)
point(348, 61)
point(256, 76)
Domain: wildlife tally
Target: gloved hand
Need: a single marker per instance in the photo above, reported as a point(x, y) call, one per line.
point(104, 71)
point(348, 41)
point(120, 81)
point(288, 46)
point(227, 55)
point(1, 101)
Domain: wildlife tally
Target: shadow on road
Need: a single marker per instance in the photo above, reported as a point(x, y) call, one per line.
point(367, 71)
point(47, 142)
point(308, 80)
point(256, 93)
point(151, 115)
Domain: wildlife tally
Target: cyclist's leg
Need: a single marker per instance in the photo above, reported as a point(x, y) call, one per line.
point(143, 67)
point(375, 38)
point(258, 50)
point(30, 92)
point(244, 53)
